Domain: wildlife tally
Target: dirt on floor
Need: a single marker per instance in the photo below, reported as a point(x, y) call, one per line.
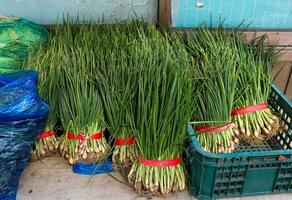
point(53, 179)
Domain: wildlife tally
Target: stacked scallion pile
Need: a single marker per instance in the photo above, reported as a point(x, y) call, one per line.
point(144, 85)
point(67, 67)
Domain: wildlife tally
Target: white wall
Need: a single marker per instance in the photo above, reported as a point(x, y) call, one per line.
point(51, 11)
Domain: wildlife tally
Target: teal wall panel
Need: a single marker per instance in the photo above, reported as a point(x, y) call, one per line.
point(258, 14)
point(51, 11)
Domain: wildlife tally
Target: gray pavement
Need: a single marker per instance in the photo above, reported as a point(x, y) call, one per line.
point(52, 179)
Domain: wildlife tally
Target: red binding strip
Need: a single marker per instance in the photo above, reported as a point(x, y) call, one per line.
point(249, 109)
point(81, 136)
point(160, 163)
point(96, 136)
point(212, 129)
point(46, 134)
point(125, 141)
point(71, 136)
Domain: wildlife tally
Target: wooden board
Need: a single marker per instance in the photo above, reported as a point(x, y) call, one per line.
point(283, 72)
point(288, 92)
point(282, 39)
point(164, 13)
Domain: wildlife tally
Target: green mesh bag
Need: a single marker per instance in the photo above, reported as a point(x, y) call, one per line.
point(8, 61)
point(19, 36)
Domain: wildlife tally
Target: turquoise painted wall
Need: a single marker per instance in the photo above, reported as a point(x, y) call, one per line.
point(258, 14)
point(51, 11)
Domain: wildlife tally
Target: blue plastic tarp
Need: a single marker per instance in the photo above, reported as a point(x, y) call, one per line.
point(22, 119)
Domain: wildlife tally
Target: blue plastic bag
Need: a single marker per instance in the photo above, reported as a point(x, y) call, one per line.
point(22, 119)
point(7, 78)
point(91, 169)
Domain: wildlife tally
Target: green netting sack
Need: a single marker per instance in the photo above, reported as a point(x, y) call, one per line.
point(8, 61)
point(19, 36)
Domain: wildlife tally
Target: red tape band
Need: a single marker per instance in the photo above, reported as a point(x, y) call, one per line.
point(81, 136)
point(212, 129)
point(160, 163)
point(249, 109)
point(96, 136)
point(46, 134)
point(125, 141)
point(71, 136)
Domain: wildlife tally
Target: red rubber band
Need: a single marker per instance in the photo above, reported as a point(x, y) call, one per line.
point(71, 136)
point(81, 136)
point(212, 129)
point(96, 136)
point(160, 163)
point(249, 109)
point(46, 134)
point(125, 141)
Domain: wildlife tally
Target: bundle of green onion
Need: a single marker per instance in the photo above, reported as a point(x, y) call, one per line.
point(81, 112)
point(163, 111)
point(254, 120)
point(118, 91)
point(47, 63)
point(213, 51)
point(118, 77)
point(81, 109)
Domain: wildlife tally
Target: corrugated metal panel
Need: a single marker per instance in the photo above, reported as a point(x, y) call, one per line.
point(49, 11)
point(260, 14)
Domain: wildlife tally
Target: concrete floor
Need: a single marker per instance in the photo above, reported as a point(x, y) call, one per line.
point(52, 179)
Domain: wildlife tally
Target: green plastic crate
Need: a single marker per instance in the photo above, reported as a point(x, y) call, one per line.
point(258, 170)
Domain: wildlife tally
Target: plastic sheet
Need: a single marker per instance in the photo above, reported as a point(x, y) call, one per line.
point(5, 79)
point(22, 119)
point(18, 96)
point(91, 169)
point(19, 36)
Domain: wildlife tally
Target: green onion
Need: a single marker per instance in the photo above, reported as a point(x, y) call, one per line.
point(163, 111)
point(117, 79)
point(44, 60)
point(81, 112)
point(213, 51)
point(253, 87)
point(81, 109)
